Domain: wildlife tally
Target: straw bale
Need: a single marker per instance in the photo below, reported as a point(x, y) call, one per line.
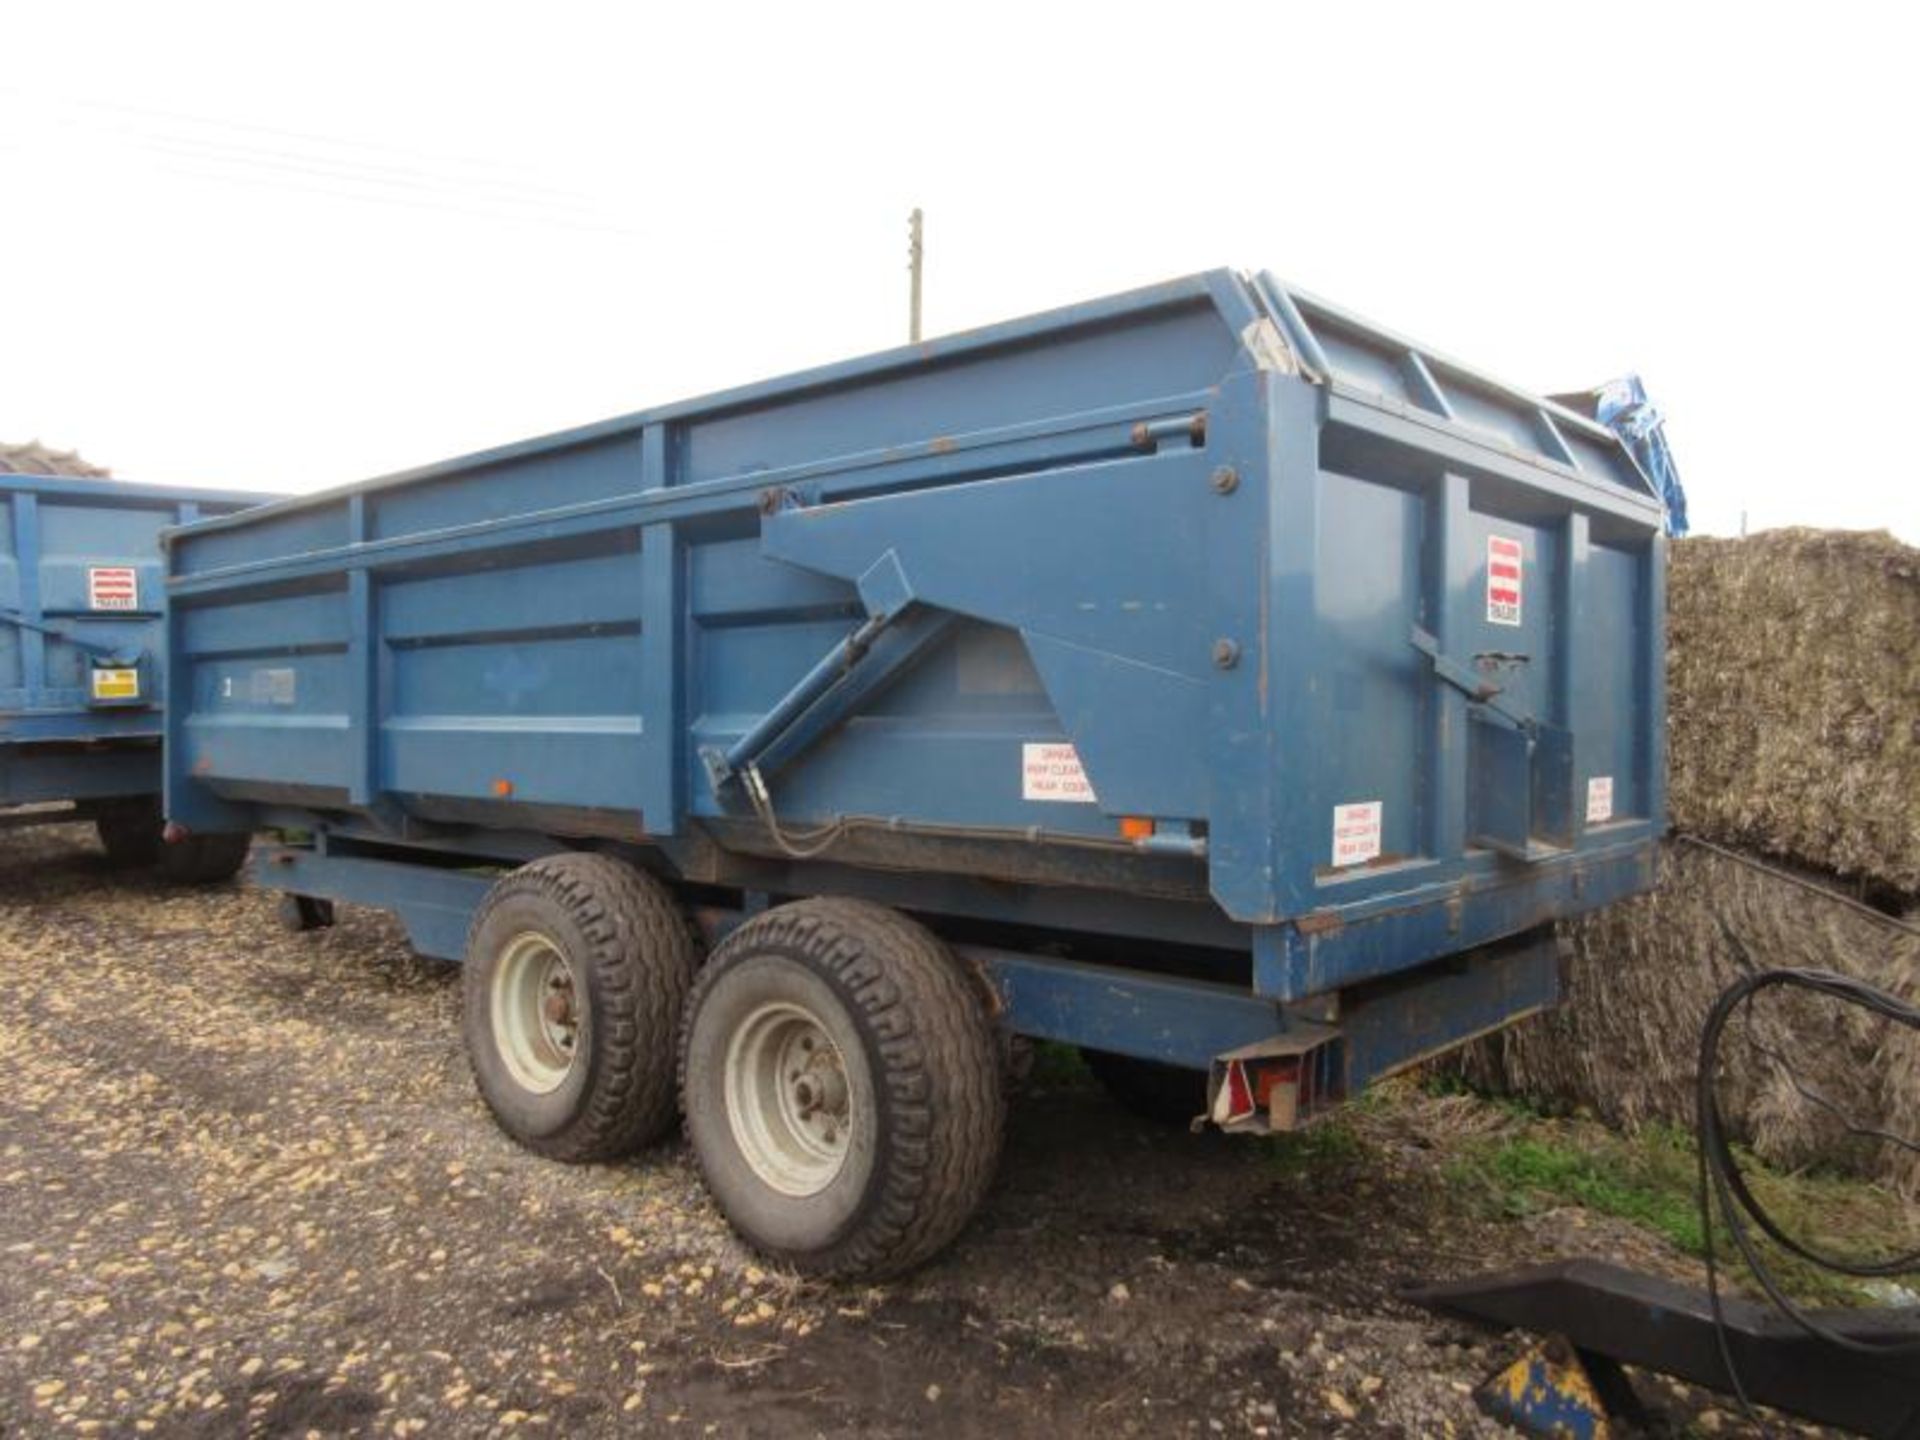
point(1643, 975)
point(1794, 699)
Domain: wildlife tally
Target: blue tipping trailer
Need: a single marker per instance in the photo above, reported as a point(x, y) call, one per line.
point(81, 678)
point(1202, 676)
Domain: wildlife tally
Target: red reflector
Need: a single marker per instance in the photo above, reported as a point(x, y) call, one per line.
point(1239, 1093)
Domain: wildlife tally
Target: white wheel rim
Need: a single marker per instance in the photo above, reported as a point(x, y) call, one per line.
point(788, 1100)
point(535, 1012)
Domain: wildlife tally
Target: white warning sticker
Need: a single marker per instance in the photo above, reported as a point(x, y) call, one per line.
point(1503, 580)
point(1051, 771)
point(1599, 799)
point(113, 587)
point(1356, 833)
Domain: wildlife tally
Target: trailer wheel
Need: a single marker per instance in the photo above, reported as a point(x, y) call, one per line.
point(1165, 1094)
point(842, 1088)
point(129, 832)
point(202, 859)
point(577, 971)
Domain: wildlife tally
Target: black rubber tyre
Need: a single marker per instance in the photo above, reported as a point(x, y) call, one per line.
point(1165, 1094)
point(129, 832)
point(916, 1059)
point(202, 859)
point(629, 959)
point(300, 913)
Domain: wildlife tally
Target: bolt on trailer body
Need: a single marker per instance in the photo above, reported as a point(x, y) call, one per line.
point(1202, 676)
point(82, 678)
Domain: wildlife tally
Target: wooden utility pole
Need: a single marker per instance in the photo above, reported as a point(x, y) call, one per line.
point(916, 255)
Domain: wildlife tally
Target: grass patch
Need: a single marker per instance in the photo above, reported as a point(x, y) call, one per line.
point(1058, 1066)
point(1332, 1143)
point(1339, 1140)
point(1652, 1180)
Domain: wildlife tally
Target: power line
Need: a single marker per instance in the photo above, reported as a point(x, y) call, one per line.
point(255, 182)
point(545, 197)
point(335, 175)
point(247, 127)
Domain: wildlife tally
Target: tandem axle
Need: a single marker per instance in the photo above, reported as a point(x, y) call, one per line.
point(1271, 1066)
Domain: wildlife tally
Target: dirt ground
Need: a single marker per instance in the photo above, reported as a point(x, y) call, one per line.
point(246, 1187)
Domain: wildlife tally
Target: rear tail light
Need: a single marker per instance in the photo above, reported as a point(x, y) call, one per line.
point(1298, 1077)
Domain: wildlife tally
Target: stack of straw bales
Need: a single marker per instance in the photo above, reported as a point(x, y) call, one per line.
point(33, 458)
point(1794, 739)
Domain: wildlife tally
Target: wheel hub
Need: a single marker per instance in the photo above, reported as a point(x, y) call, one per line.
point(536, 1022)
point(788, 1100)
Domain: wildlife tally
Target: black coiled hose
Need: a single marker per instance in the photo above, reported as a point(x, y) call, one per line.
point(1724, 1188)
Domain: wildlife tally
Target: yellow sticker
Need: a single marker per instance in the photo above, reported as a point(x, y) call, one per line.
point(116, 684)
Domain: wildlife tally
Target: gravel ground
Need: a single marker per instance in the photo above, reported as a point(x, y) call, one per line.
point(246, 1187)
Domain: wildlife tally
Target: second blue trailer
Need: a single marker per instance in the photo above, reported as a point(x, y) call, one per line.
point(1202, 676)
point(82, 674)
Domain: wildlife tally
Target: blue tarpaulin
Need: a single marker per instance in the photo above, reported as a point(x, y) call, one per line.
point(1623, 407)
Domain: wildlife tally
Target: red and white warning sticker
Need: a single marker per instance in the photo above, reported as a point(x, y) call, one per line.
point(1599, 799)
point(1356, 833)
point(1052, 771)
point(113, 587)
point(1503, 580)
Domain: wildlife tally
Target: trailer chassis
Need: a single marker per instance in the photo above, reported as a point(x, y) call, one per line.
point(1272, 1064)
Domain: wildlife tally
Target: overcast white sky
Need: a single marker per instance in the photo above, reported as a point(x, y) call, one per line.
point(282, 247)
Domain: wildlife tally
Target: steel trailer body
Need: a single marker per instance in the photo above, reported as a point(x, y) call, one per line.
point(1211, 667)
point(82, 593)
